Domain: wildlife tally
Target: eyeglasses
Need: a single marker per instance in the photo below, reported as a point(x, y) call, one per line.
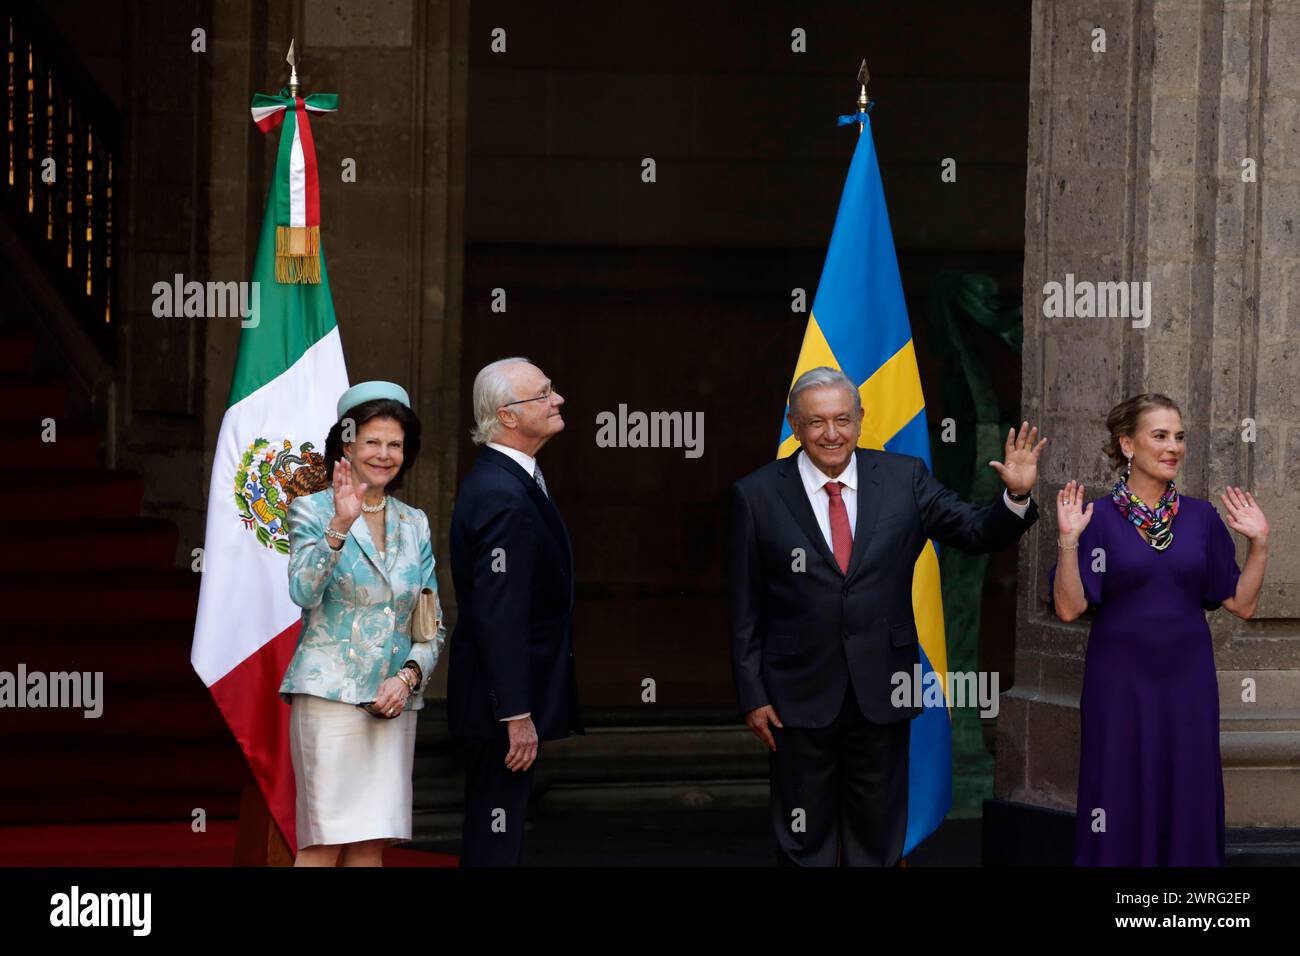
point(545, 396)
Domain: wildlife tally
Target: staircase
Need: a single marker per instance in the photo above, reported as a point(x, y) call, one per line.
point(88, 584)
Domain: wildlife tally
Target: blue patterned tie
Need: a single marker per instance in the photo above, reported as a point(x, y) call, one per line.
point(541, 482)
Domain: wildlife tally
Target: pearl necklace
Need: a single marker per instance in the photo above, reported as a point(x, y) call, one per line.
point(375, 509)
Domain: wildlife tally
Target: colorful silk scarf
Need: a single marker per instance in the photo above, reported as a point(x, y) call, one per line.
point(1156, 523)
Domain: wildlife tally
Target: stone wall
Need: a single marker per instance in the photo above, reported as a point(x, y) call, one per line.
point(163, 202)
point(1135, 173)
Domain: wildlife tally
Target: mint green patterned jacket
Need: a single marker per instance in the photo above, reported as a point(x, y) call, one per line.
point(356, 618)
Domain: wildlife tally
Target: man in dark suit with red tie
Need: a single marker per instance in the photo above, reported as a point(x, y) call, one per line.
point(511, 680)
point(823, 544)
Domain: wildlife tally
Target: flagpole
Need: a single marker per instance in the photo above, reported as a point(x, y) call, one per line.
point(258, 840)
point(864, 105)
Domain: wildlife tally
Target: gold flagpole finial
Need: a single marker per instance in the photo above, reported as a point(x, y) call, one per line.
point(293, 71)
point(863, 103)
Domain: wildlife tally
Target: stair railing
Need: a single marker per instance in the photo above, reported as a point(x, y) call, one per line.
point(58, 163)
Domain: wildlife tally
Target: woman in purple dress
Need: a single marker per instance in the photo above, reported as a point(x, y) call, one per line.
point(1151, 562)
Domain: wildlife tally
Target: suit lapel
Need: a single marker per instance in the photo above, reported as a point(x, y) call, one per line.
point(796, 500)
point(550, 514)
point(360, 532)
point(568, 546)
point(392, 538)
point(558, 528)
point(868, 506)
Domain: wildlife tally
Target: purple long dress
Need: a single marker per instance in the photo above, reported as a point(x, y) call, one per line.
point(1149, 743)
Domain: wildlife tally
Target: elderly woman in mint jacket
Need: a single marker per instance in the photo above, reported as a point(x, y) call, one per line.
point(358, 561)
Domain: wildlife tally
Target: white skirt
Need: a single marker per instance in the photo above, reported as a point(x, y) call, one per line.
point(353, 772)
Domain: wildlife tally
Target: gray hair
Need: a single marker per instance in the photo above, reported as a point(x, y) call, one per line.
point(818, 377)
point(491, 391)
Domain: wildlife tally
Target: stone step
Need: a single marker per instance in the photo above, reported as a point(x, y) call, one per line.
point(617, 766)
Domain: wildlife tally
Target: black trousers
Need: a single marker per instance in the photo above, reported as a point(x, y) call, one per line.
point(839, 793)
point(496, 805)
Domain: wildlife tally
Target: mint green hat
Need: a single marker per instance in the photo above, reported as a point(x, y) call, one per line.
point(369, 391)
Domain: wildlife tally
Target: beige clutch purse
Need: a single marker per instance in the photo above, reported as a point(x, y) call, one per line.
point(426, 619)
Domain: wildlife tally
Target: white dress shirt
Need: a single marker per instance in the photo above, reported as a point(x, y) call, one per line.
point(529, 464)
point(814, 484)
point(1018, 508)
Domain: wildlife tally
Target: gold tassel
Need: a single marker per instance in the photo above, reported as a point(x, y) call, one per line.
point(297, 254)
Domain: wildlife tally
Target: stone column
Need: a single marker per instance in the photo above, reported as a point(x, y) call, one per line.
point(1138, 172)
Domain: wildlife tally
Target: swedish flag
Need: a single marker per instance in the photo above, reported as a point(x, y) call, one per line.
point(859, 325)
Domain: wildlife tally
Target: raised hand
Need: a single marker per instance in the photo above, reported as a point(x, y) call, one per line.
point(1244, 516)
point(1071, 516)
point(1019, 469)
point(347, 496)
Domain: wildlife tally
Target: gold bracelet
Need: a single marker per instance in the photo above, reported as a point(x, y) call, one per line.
point(1066, 547)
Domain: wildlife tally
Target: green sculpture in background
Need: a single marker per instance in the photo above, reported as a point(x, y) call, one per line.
point(957, 299)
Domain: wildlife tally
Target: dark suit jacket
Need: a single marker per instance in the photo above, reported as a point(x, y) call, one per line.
point(797, 637)
point(512, 564)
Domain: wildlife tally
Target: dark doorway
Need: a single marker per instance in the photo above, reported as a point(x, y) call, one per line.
point(675, 295)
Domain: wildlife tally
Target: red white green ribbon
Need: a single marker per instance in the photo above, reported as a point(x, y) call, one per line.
point(295, 190)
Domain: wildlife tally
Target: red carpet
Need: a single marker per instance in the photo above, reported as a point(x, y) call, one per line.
point(148, 844)
point(94, 586)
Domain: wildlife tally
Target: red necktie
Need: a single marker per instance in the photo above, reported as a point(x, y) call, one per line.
point(841, 536)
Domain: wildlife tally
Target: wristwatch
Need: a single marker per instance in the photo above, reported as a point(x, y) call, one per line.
point(1018, 499)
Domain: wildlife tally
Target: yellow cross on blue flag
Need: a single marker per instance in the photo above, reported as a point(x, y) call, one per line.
point(859, 325)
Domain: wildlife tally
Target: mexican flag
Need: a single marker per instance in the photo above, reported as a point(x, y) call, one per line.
point(288, 375)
